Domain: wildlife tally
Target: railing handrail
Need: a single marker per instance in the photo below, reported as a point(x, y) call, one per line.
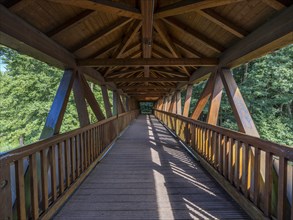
point(26, 150)
point(268, 146)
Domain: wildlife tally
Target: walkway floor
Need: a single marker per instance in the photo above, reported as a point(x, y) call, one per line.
point(148, 175)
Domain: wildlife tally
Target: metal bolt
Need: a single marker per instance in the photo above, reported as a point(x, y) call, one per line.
point(3, 183)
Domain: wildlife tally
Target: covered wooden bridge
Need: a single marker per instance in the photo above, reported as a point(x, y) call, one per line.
point(148, 50)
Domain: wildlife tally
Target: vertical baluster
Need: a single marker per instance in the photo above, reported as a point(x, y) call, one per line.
point(268, 184)
point(215, 150)
point(193, 134)
point(89, 148)
point(246, 150)
point(44, 179)
point(60, 168)
point(237, 165)
point(94, 143)
point(225, 158)
point(221, 152)
point(207, 144)
point(53, 173)
point(72, 159)
point(20, 196)
point(85, 149)
point(282, 185)
point(231, 159)
point(256, 175)
point(67, 161)
point(34, 186)
point(81, 136)
point(77, 155)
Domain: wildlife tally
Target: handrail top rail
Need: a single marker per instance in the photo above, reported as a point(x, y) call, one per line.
point(20, 152)
point(265, 145)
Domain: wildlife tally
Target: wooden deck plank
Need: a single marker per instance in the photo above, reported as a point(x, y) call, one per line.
point(148, 175)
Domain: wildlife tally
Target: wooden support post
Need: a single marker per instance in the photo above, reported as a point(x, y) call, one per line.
point(215, 100)
point(106, 101)
point(115, 103)
point(178, 103)
point(80, 102)
point(172, 107)
point(55, 116)
point(187, 100)
point(204, 98)
point(92, 100)
point(121, 107)
point(241, 113)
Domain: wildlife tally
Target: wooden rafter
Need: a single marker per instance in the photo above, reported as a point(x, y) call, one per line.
point(222, 22)
point(147, 10)
point(142, 79)
point(195, 34)
point(167, 72)
point(144, 87)
point(105, 6)
point(105, 49)
point(149, 62)
point(159, 26)
point(100, 34)
point(20, 5)
point(186, 6)
point(123, 73)
point(72, 22)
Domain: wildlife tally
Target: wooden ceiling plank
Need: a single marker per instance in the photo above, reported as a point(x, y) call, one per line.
point(122, 73)
point(105, 49)
point(145, 87)
point(149, 62)
point(159, 26)
point(166, 72)
point(20, 5)
point(186, 6)
point(275, 4)
point(195, 34)
point(188, 48)
point(105, 32)
point(222, 22)
point(72, 22)
point(18, 34)
point(105, 6)
point(147, 10)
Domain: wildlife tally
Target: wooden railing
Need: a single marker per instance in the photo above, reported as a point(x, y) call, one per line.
point(56, 166)
point(248, 163)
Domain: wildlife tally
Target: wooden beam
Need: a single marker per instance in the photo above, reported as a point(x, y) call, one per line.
point(105, 6)
point(186, 6)
point(178, 25)
point(243, 118)
point(222, 22)
point(21, 36)
point(72, 22)
point(92, 100)
point(147, 10)
point(215, 100)
point(203, 99)
point(121, 107)
point(187, 100)
point(178, 103)
point(149, 62)
point(80, 102)
point(142, 79)
point(275, 4)
point(274, 34)
point(100, 34)
point(105, 50)
point(168, 72)
point(159, 26)
point(57, 110)
point(106, 101)
point(144, 87)
point(123, 73)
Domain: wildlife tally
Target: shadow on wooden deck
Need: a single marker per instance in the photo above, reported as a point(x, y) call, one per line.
point(148, 175)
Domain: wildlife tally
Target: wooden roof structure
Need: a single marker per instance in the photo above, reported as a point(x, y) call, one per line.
point(145, 48)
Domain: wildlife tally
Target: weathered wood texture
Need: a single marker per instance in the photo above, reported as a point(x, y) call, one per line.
point(226, 154)
point(71, 157)
point(149, 176)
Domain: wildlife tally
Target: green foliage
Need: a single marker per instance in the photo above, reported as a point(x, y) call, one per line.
point(266, 85)
point(146, 107)
point(27, 90)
